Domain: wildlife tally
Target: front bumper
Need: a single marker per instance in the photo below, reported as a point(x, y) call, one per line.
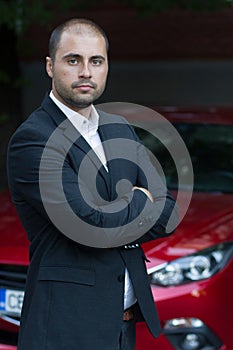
point(208, 301)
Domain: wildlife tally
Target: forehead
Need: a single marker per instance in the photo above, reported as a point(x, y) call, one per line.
point(84, 44)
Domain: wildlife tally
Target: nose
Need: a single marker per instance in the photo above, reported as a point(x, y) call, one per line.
point(85, 71)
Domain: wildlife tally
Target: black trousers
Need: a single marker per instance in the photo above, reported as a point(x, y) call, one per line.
point(127, 339)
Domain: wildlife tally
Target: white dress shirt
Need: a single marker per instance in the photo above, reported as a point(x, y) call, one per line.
point(88, 128)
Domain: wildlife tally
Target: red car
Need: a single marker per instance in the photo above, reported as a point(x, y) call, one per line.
point(190, 271)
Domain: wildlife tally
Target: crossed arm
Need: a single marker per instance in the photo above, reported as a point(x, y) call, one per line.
point(51, 190)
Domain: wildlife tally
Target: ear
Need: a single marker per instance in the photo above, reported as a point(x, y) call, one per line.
point(49, 66)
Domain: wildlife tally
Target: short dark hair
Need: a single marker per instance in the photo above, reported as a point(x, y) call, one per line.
point(75, 24)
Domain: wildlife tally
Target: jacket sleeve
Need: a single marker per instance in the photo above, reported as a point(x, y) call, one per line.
point(165, 207)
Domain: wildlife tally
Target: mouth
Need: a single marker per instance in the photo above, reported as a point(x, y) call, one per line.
point(83, 86)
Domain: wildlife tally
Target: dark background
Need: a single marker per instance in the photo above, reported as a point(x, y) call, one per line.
point(170, 57)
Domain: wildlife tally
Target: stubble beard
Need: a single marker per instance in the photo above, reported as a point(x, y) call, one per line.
point(78, 100)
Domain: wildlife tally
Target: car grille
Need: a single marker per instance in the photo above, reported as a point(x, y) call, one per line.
point(8, 338)
point(13, 276)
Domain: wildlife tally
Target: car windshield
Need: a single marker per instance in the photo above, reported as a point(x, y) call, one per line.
point(211, 149)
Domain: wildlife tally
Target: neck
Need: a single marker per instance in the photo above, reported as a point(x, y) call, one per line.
point(86, 112)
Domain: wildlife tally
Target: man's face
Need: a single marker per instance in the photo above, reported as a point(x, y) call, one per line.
point(80, 69)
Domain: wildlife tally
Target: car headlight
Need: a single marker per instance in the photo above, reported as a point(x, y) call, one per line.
point(195, 267)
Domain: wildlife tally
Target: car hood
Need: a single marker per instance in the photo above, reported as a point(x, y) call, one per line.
point(208, 221)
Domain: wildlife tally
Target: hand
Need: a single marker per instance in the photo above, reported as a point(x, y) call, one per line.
point(147, 193)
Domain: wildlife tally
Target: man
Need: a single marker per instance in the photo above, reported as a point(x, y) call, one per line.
point(87, 283)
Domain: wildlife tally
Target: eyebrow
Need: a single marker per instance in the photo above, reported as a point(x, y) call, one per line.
point(75, 55)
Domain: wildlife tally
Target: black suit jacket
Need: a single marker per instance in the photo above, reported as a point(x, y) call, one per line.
point(74, 292)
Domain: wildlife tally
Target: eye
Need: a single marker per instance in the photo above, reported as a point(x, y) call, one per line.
point(73, 61)
point(97, 62)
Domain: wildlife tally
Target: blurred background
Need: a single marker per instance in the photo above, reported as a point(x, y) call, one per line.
point(162, 53)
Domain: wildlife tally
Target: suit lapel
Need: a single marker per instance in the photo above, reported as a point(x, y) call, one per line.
point(106, 138)
point(78, 140)
point(74, 137)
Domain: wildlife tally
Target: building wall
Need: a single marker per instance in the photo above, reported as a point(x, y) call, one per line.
point(183, 83)
point(171, 58)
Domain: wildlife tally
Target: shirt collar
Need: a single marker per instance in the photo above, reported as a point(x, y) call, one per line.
point(82, 124)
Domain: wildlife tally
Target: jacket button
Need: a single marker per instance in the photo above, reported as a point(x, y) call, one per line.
point(121, 278)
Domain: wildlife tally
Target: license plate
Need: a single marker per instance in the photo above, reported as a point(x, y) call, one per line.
point(11, 301)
